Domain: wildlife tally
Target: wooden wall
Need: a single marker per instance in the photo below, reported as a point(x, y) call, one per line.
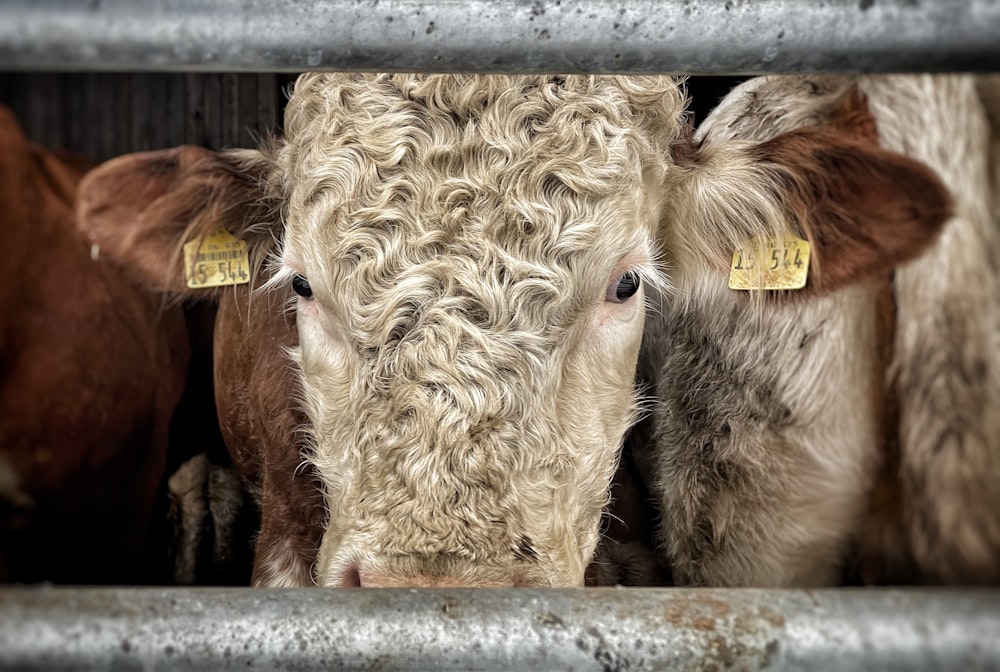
point(104, 115)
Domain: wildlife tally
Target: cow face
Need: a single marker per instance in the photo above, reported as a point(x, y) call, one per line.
point(468, 255)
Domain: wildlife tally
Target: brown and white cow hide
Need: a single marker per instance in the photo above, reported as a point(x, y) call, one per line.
point(802, 437)
point(430, 377)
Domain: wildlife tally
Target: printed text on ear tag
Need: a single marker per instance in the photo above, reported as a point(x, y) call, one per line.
point(216, 261)
point(771, 265)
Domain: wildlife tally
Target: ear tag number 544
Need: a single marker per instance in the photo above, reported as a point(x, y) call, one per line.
point(217, 260)
point(771, 265)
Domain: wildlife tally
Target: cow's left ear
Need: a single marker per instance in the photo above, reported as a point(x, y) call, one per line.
point(863, 209)
point(140, 209)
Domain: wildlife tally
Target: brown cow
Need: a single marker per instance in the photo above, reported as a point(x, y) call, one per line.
point(861, 416)
point(91, 369)
point(430, 375)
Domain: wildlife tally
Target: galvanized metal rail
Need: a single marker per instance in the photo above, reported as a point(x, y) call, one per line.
point(689, 36)
point(593, 629)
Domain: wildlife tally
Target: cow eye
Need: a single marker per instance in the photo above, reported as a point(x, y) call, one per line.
point(301, 286)
point(623, 287)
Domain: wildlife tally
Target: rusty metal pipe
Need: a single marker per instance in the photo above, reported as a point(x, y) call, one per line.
point(587, 629)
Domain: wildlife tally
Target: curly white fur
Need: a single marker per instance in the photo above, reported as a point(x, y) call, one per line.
point(467, 382)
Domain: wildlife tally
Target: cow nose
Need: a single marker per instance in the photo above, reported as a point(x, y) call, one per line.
point(358, 578)
point(351, 578)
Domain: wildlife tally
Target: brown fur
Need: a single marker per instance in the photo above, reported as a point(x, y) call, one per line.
point(178, 195)
point(857, 204)
point(91, 368)
point(263, 428)
point(200, 192)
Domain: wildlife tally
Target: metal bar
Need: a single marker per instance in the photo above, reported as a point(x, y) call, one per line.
point(693, 36)
point(586, 629)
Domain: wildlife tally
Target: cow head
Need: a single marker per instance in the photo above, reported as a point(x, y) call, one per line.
point(468, 256)
point(463, 258)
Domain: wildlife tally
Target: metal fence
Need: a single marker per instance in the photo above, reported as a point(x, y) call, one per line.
point(45, 628)
point(513, 629)
point(682, 36)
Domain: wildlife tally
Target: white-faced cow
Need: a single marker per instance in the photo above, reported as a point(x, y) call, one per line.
point(429, 378)
point(858, 417)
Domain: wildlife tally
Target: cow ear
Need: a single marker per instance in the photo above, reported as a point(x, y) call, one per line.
point(863, 209)
point(140, 209)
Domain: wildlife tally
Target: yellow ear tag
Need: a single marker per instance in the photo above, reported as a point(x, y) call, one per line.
point(216, 261)
point(771, 265)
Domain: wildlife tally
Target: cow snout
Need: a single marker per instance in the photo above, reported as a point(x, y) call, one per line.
point(355, 577)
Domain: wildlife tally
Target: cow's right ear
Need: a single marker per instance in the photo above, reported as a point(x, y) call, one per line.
point(140, 209)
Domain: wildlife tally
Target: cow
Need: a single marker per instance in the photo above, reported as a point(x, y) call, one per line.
point(841, 435)
point(943, 461)
point(92, 368)
point(427, 379)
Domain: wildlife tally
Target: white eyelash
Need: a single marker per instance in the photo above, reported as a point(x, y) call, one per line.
point(281, 273)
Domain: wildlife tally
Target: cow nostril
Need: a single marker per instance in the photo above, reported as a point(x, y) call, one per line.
point(351, 578)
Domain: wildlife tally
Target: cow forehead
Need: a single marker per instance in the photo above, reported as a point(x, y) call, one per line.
point(501, 193)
